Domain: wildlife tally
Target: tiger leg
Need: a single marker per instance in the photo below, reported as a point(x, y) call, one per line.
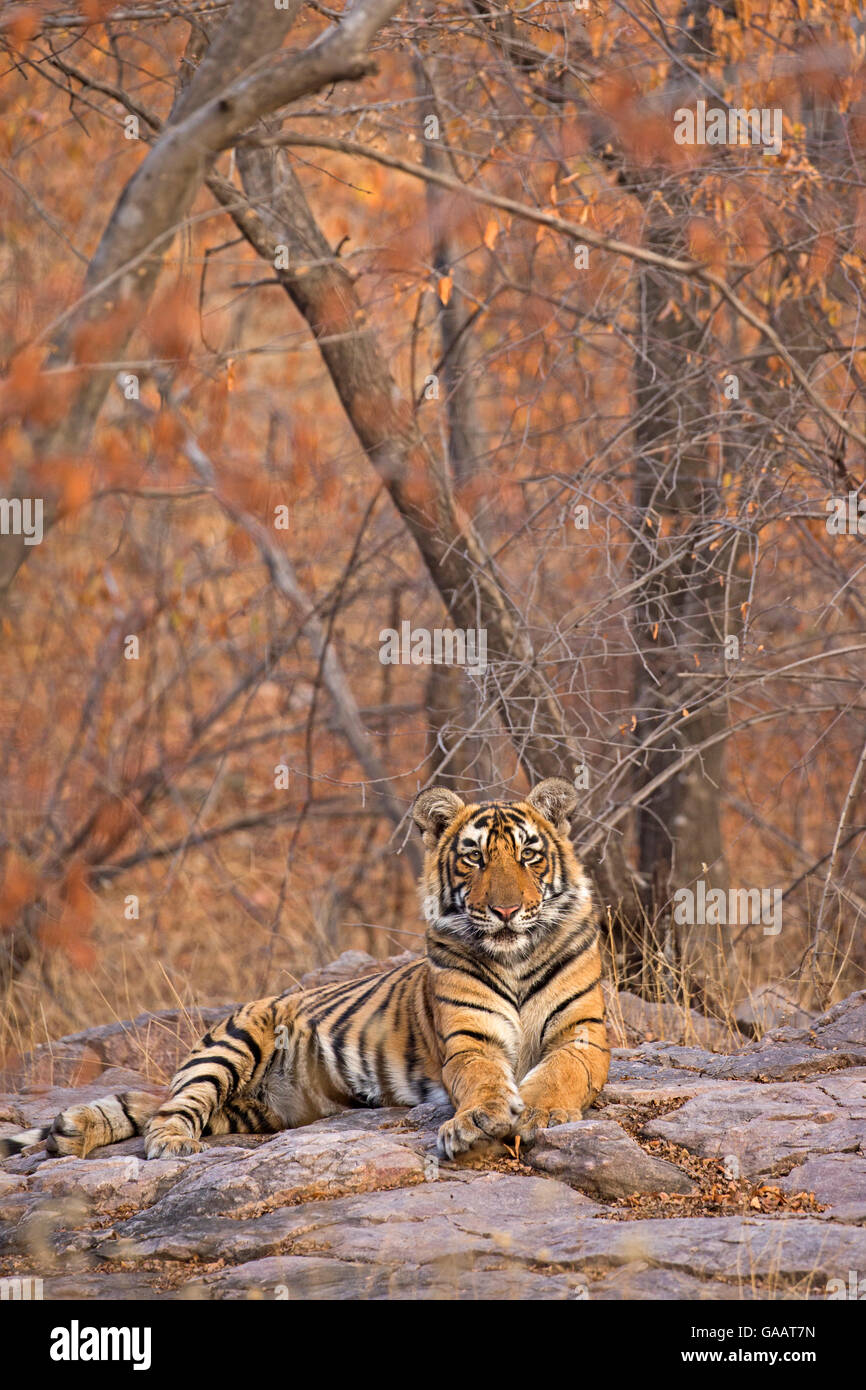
point(82, 1128)
point(478, 1042)
point(566, 1080)
point(478, 1077)
point(208, 1090)
point(242, 1116)
point(486, 1100)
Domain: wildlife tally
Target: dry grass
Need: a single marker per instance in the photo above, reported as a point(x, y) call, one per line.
point(193, 944)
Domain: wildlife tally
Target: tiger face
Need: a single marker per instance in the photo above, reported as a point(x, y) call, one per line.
point(499, 875)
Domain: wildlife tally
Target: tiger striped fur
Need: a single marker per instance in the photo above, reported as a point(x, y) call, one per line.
point(503, 1016)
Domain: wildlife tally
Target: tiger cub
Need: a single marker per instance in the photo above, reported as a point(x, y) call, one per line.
point(503, 1016)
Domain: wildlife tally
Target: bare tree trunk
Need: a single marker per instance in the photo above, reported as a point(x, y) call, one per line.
point(322, 289)
point(686, 611)
point(682, 621)
point(449, 700)
point(456, 343)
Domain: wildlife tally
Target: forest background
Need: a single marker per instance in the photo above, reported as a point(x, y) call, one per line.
point(317, 322)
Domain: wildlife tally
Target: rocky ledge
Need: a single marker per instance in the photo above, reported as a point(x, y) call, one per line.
point(708, 1174)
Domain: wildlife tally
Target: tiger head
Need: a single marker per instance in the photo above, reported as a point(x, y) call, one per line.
point(500, 875)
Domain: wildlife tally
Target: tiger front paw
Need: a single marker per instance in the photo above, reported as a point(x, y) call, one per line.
point(170, 1139)
point(74, 1132)
point(492, 1119)
point(535, 1118)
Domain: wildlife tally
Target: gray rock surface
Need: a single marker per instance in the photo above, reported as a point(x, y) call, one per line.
point(769, 1131)
point(358, 1206)
point(633, 1020)
point(771, 1006)
point(599, 1158)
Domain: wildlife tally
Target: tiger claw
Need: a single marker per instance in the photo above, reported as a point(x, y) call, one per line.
point(172, 1146)
point(536, 1118)
point(170, 1138)
point(475, 1124)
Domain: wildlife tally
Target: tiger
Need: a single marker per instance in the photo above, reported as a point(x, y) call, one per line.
point(502, 1017)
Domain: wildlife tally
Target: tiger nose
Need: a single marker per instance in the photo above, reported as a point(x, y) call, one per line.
point(505, 912)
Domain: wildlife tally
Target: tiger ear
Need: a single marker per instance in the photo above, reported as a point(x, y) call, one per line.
point(433, 812)
point(555, 799)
